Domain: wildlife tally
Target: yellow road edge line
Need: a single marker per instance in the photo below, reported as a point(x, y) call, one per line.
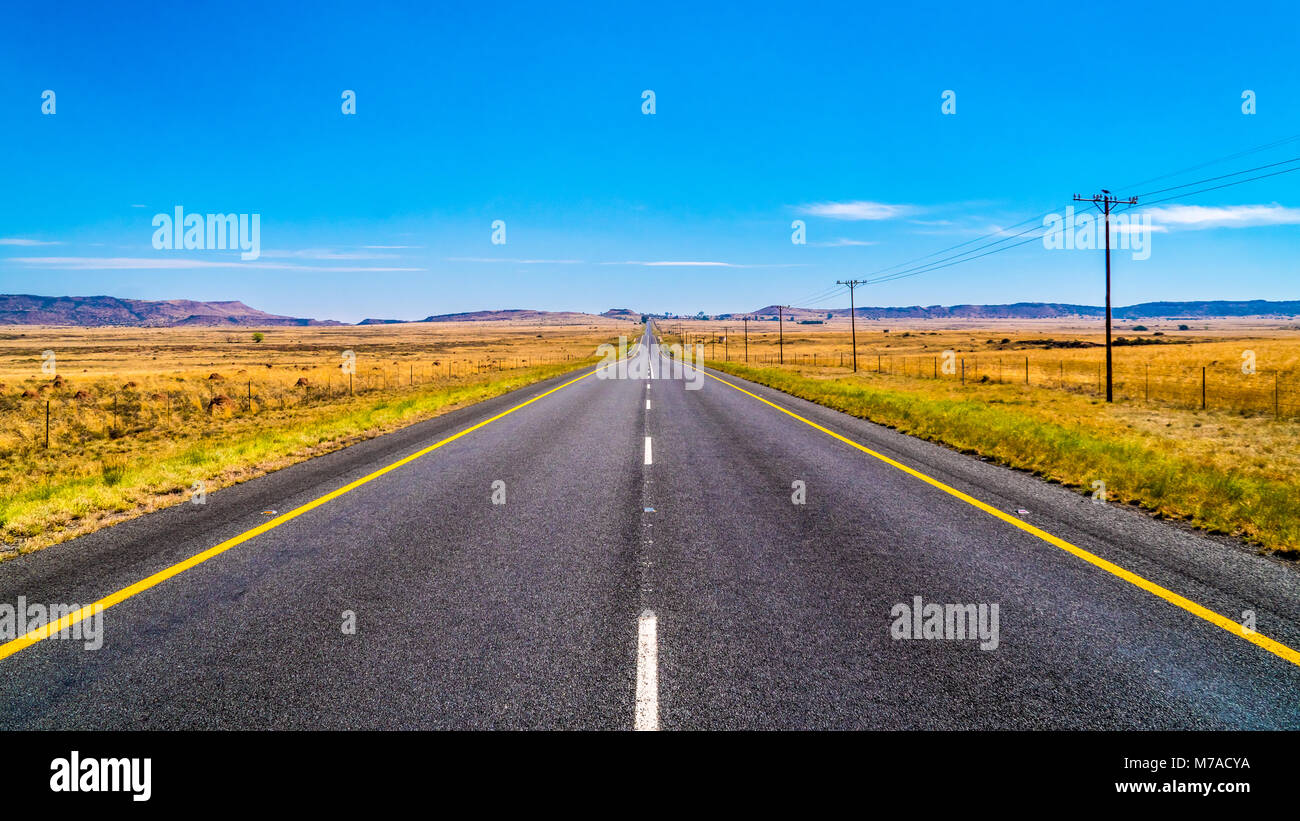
point(1254, 637)
point(32, 637)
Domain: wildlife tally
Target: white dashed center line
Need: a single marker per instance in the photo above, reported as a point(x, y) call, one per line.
point(648, 459)
point(647, 673)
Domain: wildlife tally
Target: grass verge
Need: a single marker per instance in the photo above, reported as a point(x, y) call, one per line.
point(1074, 441)
point(59, 495)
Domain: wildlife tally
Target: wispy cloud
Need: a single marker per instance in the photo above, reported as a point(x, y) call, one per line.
point(843, 242)
point(1199, 217)
point(322, 253)
point(166, 263)
point(857, 210)
point(25, 242)
point(516, 261)
point(690, 263)
point(669, 263)
point(390, 247)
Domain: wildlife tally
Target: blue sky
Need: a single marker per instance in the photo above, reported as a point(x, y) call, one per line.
point(472, 113)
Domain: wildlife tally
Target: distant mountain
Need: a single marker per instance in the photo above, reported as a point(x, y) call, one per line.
point(24, 309)
point(486, 316)
point(518, 314)
point(621, 313)
point(1200, 310)
point(1052, 310)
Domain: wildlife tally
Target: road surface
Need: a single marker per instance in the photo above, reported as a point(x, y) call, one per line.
point(650, 568)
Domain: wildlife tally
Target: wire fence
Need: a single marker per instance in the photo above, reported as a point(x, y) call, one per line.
point(57, 414)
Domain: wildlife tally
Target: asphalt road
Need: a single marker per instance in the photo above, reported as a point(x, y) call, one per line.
point(650, 567)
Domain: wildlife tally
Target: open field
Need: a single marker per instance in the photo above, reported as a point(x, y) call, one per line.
point(141, 418)
point(1233, 467)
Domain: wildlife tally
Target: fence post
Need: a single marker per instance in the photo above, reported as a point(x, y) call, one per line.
point(47, 424)
point(1202, 387)
point(1275, 402)
point(1026, 370)
point(963, 371)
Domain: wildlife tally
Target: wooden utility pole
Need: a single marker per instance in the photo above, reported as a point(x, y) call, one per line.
point(853, 322)
point(780, 330)
point(1104, 201)
point(746, 321)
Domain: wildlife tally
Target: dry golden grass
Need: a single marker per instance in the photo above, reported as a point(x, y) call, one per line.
point(136, 417)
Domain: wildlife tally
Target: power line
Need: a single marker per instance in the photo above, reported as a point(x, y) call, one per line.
point(1220, 177)
point(998, 246)
point(938, 263)
point(905, 275)
point(821, 301)
point(960, 244)
point(1207, 163)
point(818, 297)
point(1217, 187)
point(955, 260)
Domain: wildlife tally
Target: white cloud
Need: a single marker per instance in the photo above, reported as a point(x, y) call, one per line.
point(1198, 217)
point(1136, 228)
point(24, 242)
point(857, 210)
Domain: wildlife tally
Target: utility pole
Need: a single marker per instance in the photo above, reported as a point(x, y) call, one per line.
point(726, 344)
point(780, 329)
point(853, 322)
point(1104, 201)
point(746, 321)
